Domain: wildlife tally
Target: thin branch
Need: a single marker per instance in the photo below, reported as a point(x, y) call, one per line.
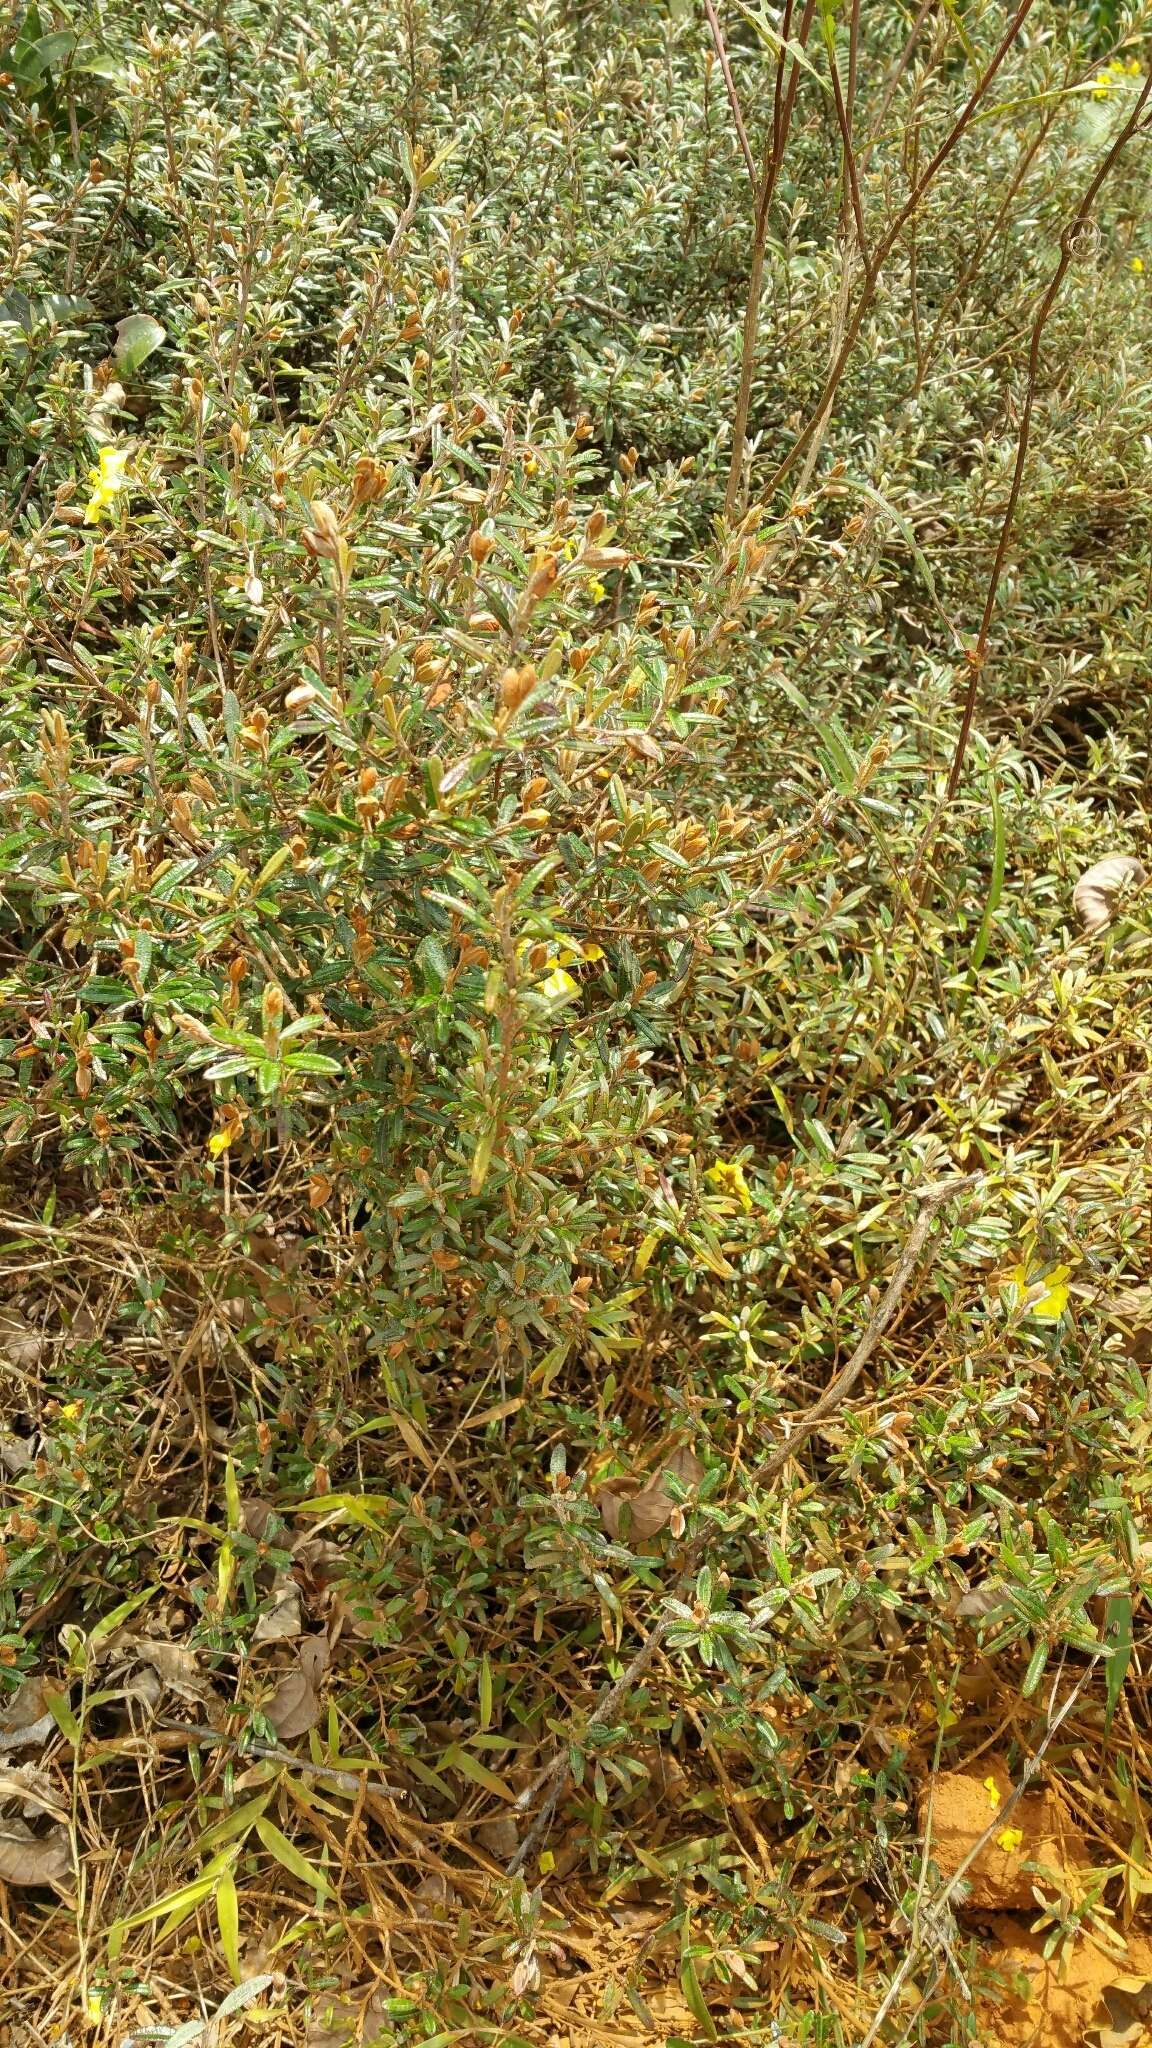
point(730, 89)
point(994, 1826)
point(931, 1201)
point(783, 102)
point(1075, 227)
point(888, 242)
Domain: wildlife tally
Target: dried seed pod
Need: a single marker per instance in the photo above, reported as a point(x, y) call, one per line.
point(1094, 897)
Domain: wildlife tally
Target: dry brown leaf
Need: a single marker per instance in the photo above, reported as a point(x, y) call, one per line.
point(255, 1516)
point(21, 1346)
point(294, 1707)
point(1128, 2003)
point(175, 1665)
point(25, 1721)
point(644, 1513)
point(279, 1621)
point(500, 1837)
point(1095, 894)
point(31, 1788)
point(358, 2020)
point(26, 1858)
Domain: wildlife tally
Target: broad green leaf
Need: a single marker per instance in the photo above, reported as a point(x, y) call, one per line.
point(137, 337)
point(228, 1921)
point(456, 1758)
point(1118, 1637)
point(288, 1855)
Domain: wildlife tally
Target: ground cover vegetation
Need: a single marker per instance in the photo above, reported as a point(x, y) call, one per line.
point(573, 1283)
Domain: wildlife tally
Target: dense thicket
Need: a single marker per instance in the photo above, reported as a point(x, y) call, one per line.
point(490, 966)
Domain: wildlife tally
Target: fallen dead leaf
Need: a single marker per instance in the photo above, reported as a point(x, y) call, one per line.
point(279, 1621)
point(31, 1859)
point(32, 1788)
point(642, 1513)
point(294, 1707)
point(21, 1346)
point(25, 1721)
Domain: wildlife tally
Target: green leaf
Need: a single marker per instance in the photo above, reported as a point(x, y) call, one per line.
point(1035, 1671)
point(996, 879)
point(694, 1997)
point(65, 1719)
point(456, 1758)
point(1118, 1637)
point(137, 337)
point(288, 1855)
point(228, 1921)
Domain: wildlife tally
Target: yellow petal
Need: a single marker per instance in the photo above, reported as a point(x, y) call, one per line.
point(1009, 1839)
point(558, 986)
point(993, 1791)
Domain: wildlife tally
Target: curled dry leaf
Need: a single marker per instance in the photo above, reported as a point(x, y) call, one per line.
point(279, 1621)
point(26, 1858)
point(294, 1707)
point(25, 1722)
point(15, 1455)
point(358, 2020)
point(1129, 2006)
point(31, 1788)
point(21, 1346)
point(174, 1665)
point(643, 1514)
point(152, 1664)
point(1095, 894)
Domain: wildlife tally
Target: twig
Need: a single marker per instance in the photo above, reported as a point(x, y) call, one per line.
point(1027, 1774)
point(888, 242)
point(1074, 228)
point(554, 1774)
point(347, 1779)
point(932, 1201)
point(552, 1778)
point(783, 102)
point(730, 89)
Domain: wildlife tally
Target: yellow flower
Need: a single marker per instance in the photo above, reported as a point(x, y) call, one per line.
point(727, 1175)
point(596, 590)
point(1009, 1839)
point(993, 1791)
point(557, 986)
point(1043, 1295)
point(72, 1411)
point(109, 481)
point(1138, 265)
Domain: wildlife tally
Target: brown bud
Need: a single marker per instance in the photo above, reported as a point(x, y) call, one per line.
point(516, 685)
